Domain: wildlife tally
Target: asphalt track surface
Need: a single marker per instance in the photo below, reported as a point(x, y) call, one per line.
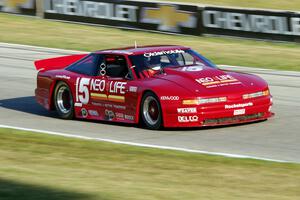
point(277, 138)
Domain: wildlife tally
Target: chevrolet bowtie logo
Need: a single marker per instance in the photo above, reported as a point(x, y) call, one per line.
point(169, 18)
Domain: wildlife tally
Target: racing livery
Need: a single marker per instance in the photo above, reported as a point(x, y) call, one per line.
point(157, 86)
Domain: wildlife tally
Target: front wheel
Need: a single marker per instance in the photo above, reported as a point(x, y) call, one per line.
point(151, 113)
point(63, 101)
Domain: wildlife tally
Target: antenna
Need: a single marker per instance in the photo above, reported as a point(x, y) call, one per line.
point(135, 44)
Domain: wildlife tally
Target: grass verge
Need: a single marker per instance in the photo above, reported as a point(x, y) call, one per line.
point(35, 166)
point(274, 4)
point(239, 52)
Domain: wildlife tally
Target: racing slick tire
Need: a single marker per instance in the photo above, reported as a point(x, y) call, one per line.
point(151, 113)
point(63, 101)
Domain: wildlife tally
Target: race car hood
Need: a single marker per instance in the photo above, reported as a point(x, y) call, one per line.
point(207, 81)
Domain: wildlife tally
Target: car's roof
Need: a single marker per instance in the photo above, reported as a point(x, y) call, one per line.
point(142, 49)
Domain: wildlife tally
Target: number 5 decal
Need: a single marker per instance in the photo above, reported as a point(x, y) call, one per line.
point(82, 90)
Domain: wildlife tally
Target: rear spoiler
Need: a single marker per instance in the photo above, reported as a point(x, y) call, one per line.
point(57, 63)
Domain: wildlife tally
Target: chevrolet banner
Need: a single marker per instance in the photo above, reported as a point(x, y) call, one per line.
point(251, 23)
point(128, 14)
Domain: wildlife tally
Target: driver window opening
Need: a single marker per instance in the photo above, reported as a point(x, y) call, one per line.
point(116, 66)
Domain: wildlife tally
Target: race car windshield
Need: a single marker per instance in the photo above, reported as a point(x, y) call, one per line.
point(172, 58)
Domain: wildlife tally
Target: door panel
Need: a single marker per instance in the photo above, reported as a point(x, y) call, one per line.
point(91, 94)
point(110, 96)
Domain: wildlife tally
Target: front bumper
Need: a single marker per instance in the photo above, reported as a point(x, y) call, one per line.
point(219, 114)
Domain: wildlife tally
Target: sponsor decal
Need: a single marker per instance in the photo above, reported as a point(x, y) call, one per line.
point(239, 112)
point(84, 112)
point(133, 89)
point(103, 69)
point(97, 104)
point(129, 117)
point(97, 96)
point(93, 113)
point(186, 110)
point(109, 115)
point(107, 105)
point(87, 88)
point(100, 10)
point(196, 68)
point(186, 119)
point(78, 104)
point(116, 98)
point(217, 81)
point(161, 53)
point(117, 87)
point(240, 105)
point(120, 115)
point(169, 98)
point(63, 77)
point(168, 17)
point(97, 85)
point(120, 107)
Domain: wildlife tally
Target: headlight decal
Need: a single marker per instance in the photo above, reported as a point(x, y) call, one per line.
point(256, 94)
point(199, 100)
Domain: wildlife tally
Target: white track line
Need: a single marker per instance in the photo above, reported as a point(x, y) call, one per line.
point(144, 145)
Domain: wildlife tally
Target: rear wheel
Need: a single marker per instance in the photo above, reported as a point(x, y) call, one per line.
point(151, 113)
point(63, 101)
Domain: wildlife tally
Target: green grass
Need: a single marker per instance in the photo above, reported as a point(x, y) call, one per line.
point(239, 52)
point(36, 166)
point(266, 4)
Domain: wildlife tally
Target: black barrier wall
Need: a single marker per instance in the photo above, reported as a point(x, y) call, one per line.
point(258, 24)
point(127, 14)
point(166, 17)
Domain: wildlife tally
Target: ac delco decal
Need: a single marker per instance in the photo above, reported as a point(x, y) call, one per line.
point(215, 81)
point(87, 88)
point(186, 119)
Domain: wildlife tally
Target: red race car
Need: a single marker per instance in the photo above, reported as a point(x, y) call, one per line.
point(158, 86)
